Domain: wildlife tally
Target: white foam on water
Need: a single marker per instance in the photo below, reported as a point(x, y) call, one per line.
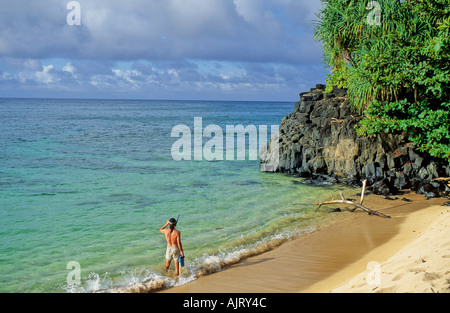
point(144, 280)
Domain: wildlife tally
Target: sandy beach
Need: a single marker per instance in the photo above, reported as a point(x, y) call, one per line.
point(410, 252)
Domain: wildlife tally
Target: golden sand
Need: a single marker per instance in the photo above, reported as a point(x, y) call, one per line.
point(410, 252)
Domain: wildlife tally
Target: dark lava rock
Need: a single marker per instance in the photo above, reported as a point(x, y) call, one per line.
point(319, 140)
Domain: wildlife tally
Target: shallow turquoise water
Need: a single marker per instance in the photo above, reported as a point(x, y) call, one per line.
point(92, 181)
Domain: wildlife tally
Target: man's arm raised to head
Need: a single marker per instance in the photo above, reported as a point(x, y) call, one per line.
point(162, 229)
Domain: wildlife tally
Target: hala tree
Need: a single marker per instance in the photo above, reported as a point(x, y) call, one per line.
point(394, 58)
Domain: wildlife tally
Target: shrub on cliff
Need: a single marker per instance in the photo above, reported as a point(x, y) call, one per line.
point(394, 59)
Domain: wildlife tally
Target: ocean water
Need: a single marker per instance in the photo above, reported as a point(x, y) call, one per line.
point(92, 181)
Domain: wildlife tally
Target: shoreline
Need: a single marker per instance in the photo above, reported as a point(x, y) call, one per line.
point(335, 254)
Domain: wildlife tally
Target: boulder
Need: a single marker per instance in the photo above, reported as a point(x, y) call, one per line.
point(319, 138)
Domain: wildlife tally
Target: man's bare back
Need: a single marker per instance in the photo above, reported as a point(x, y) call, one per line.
point(173, 238)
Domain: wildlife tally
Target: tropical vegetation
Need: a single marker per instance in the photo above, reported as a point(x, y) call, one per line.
point(394, 59)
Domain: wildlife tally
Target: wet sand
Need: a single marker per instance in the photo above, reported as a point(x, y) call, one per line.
point(338, 255)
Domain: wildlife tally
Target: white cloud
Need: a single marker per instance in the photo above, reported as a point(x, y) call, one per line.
point(239, 30)
point(69, 68)
point(182, 45)
point(254, 12)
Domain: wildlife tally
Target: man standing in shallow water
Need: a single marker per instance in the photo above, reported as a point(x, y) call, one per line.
point(174, 246)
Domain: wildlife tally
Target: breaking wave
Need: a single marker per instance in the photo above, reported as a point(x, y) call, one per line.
point(145, 281)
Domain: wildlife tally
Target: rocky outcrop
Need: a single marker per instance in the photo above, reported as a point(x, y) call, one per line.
point(319, 140)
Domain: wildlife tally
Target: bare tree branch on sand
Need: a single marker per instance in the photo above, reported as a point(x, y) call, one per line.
point(356, 205)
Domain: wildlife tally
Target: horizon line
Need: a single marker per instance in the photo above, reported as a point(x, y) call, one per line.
point(139, 99)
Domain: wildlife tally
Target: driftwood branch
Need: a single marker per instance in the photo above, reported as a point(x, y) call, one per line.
point(356, 205)
point(363, 191)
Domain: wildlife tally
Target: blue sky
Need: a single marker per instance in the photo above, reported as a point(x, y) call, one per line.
point(160, 49)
